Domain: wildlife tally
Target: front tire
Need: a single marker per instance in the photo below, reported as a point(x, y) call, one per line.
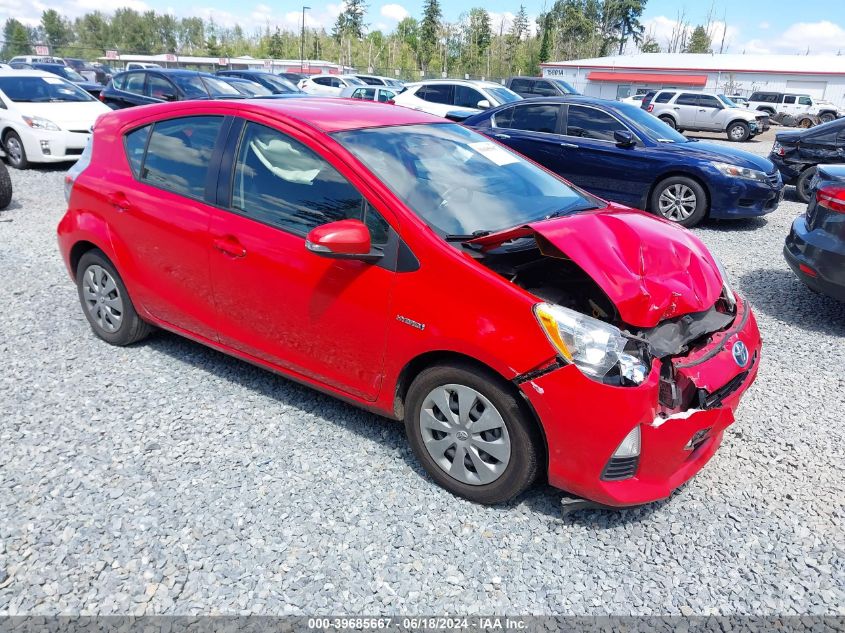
point(680, 200)
point(802, 185)
point(15, 152)
point(738, 131)
point(471, 434)
point(106, 303)
point(827, 117)
point(5, 187)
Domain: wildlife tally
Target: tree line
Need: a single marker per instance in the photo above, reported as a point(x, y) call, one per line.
point(477, 44)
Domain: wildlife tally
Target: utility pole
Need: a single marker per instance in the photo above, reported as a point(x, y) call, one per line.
point(302, 40)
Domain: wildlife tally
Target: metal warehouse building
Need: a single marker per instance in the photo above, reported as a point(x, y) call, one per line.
point(820, 76)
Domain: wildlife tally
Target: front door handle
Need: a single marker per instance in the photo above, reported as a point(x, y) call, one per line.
point(230, 246)
point(502, 136)
point(568, 145)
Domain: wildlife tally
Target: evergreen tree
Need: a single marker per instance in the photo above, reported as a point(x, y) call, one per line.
point(699, 41)
point(428, 32)
point(57, 30)
point(16, 38)
point(546, 45)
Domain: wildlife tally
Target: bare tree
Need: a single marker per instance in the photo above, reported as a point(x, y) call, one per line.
point(680, 33)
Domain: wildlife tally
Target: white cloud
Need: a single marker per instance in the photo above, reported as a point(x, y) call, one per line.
point(764, 26)
point(661, 29)
point(395, 12)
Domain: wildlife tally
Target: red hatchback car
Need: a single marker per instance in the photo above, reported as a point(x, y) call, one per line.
point(520, 327)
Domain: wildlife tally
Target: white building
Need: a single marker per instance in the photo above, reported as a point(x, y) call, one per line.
point(820, 76)
point(170, 60)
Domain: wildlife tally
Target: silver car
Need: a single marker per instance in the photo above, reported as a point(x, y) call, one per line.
point(706, 112)
point(370, 93)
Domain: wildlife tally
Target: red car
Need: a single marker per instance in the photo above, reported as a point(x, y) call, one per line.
point(520, 327)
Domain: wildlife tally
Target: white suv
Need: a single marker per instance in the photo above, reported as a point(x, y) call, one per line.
point(706, 112)
point(443, 96)
point(329, 85)
point(794, 104)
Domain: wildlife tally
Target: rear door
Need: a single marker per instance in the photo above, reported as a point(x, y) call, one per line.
point(161, 217)
point(132, 92)
point(685, 107)
point(325, 319)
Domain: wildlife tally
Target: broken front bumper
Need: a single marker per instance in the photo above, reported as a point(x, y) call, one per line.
point(585, 421)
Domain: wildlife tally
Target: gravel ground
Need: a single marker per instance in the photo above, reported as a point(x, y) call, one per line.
point(169, 478)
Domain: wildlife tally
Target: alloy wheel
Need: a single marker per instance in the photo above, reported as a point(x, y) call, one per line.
point(465, 434)
point(677, 202)
point(102, 298)
point(14, 149)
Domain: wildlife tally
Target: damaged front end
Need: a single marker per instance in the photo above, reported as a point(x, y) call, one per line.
point(653, 349)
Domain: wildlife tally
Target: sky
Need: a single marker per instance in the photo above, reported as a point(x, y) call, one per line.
point(751, 26)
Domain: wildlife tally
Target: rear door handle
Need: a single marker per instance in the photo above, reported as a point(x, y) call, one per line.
point(502, 136)
point(230, 246)
point(119, 202)
point(568, 145)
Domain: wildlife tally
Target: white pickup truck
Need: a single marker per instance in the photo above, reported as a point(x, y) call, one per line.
point(794, 104)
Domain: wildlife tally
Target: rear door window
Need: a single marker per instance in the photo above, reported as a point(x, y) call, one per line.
point(158, 87)
point(437, 93)
point(179, 154)
point(134, 83)
point(520, 85)
point(664, 97)
point(535, 117)
point(544, 89)
point(687, 99)
point(135, 143)
point(789, 99)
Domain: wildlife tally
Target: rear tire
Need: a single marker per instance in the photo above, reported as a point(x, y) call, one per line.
point(738, 131)
point(680, 200)
point(802, 185)
point(15, 152)
point(106, 303)
point(444, 442)
point(5, 187)
point(669, 121)
point(805, 123)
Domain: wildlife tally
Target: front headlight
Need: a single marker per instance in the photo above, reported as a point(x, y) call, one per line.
point(40, 123)
point(727, 290)
point(741, 172)
point(595, 347)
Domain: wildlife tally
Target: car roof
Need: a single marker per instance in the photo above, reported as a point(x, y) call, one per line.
point(464, 82)
point(27, 73)
point(327, 114)
point(169, 71)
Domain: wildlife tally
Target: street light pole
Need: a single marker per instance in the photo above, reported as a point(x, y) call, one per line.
point(302, 41)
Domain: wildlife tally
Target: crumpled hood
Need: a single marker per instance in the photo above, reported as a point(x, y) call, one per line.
point(651, 269)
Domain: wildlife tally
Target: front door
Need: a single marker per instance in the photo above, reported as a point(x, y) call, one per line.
point(322, 318)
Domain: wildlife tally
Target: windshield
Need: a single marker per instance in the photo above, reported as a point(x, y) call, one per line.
point(279, 84)
point(651, 125)
point(250, 88)
point(354, 81)
point(503, 95)
point(566, 86)
point(219, 88)
point(727, 102)
point(41, 89)
point(458, 181)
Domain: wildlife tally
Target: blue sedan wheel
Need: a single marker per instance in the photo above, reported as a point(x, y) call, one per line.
point(679, 199)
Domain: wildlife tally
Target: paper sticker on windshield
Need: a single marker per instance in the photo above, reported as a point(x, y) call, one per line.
point(494, 153)
point(54, 80)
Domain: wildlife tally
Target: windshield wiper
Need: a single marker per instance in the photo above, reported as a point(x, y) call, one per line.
point(568, 210)
point(458, 237)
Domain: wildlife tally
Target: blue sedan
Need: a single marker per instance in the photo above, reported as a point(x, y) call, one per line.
point(623, 154)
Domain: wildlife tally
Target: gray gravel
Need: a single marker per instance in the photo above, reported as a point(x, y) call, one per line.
point(169, 478)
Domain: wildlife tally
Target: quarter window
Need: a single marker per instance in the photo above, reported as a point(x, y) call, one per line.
point(591, 123)
point(281, 182)
point(179, 154)
point(436, 93)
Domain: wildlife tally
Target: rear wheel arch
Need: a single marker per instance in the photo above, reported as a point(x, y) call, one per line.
point(78, 250)
point(418, 364)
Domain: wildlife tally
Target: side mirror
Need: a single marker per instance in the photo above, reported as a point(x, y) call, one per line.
point(483, 104)
point(624, 138)
point(169, 96)
point(344, 239)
